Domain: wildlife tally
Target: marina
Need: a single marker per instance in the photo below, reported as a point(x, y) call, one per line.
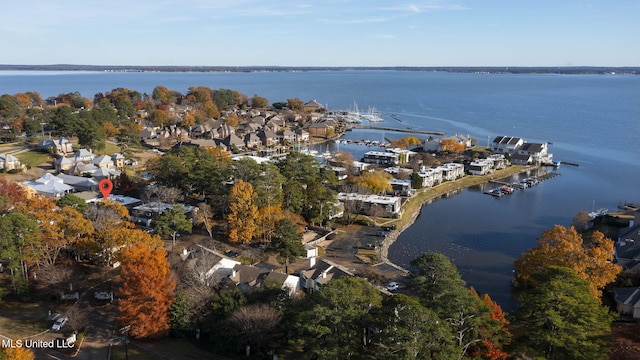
point(506, 188)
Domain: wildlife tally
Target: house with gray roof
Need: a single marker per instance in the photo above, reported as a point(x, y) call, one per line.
point(627, 247)
point(321, 273)
point(628, 301)
point(506, 144)
point(49, 185)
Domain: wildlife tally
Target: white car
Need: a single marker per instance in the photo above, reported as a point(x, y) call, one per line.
point(59, 323)
point(392, 286)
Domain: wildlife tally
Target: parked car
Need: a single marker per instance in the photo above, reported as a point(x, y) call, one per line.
point(59, 323)
point(381, 233)
point(392, 286)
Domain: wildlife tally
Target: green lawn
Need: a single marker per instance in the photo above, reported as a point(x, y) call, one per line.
point(34, 158)
point(19, 320)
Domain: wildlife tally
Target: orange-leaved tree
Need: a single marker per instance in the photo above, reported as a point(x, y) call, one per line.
point(17, 353)
point(147, 291)
point(243, 212)
point(495, 332)
point(565, 247)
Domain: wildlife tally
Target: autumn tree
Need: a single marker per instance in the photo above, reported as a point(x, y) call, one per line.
point(159, 118)
point(17, 353)
point(243, 213)
point(406, 142)
point(295, 104)
point(451, 145)
point(147, 291)
point(377, 181)
point(581, 220)
point(259, 102)
point(565, 247)
point(496, 336)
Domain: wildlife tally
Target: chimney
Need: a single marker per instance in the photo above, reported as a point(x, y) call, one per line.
point(312, 262)
point(233, 273)
point(631, 223)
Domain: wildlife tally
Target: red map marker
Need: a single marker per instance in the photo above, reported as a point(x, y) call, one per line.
point(105, 186)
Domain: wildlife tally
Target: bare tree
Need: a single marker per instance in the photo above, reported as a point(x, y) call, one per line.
point(204, 216)
point(53, 278)
point(161, 193)
point(78, 317)
point(256, 324)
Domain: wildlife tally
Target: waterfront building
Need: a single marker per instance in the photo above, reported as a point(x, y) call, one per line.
point(381, 158)
point(374, 204)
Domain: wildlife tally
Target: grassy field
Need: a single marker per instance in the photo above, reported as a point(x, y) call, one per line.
point(20, 320)
point(34, 158)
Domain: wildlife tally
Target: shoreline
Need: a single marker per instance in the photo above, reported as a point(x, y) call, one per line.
point(408, 219)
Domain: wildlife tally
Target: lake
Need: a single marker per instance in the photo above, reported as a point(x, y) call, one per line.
point(592, 120)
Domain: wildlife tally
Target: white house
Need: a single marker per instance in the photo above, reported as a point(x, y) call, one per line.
point(506, 144)
point(49, 185)
point(390, 205)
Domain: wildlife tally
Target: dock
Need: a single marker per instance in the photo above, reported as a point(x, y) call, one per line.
point(507, 188)
point(410, 131)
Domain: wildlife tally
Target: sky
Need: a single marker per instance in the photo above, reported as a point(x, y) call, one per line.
point(321, 32)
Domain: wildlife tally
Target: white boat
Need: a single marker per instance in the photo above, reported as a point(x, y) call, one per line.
point(372, 115)
point(599, 212)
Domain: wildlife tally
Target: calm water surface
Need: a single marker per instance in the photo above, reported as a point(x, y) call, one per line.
point(593, 120)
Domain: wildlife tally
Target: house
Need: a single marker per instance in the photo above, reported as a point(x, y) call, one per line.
point(247, 278)
point(58, 146)
point(401, 188)
point(287, 137)
point(103, 161)
point(319, 129)
point(224, 131)
point(405, 155)
point(538, 152)
point(506, 144)
point(301, 135)
point(79, 183)
point(233, 141)
point(321, 273)
point(84, 155)
point(269, 138)
point(49, 186)
point(451, 171)
point(313, 105)
point(200, 130)
point(9, 162)
point(382, 158)
point(432, 145)
point(252, 140)
point(430, 176)
point(480, 167)
point(521, 159)
point(374, 204)
point(627, 247)
point(628, 301)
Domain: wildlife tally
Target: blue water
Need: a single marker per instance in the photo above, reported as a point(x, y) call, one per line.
point(593, 120)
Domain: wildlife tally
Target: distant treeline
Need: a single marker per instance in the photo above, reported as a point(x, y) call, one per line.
point(462, 69)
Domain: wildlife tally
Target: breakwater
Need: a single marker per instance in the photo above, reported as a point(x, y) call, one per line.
point(410, 131)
